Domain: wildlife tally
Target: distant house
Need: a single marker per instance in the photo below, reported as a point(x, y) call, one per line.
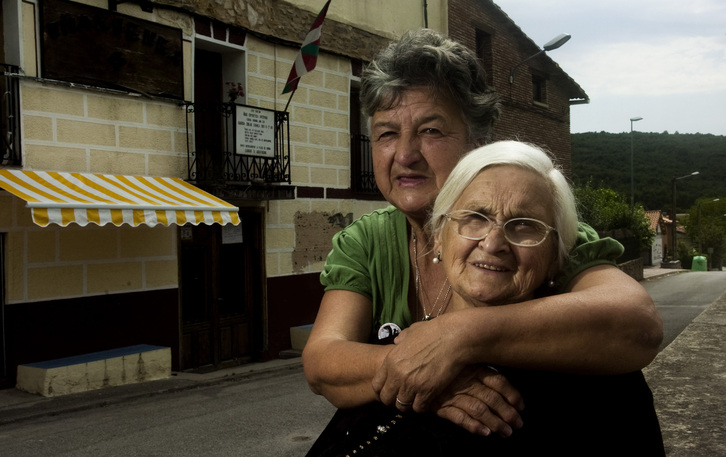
point(659, 224)
point(664, 230)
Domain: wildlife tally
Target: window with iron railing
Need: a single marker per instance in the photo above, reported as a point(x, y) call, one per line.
point(228, 148)
point(10, 115)
point(361, 166)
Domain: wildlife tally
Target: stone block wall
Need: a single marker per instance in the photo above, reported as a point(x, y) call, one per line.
point(67, 129)
point(299, 232)
point(633, 268)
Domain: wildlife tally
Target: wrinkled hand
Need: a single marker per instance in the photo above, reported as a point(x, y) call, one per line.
point(421, 364)
point(422, 372)
point(481, 401)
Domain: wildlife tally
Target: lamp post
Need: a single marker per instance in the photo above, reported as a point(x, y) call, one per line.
point(554, 43)
point(673, 222)
point(632, 187)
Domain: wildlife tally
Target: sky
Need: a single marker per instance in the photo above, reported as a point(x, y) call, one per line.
point(662, 60)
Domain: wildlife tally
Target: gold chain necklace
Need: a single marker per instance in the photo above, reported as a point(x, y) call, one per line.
point(417, 282)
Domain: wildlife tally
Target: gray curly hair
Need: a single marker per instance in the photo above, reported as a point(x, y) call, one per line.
point(426, 58)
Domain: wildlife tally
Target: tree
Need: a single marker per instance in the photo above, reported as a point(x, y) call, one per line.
point(706, 226)
point(604, 159)
point(607, 211)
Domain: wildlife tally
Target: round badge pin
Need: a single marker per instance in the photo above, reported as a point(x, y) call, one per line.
point(388, 330)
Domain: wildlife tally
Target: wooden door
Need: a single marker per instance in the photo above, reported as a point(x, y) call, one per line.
point(4, 381)
point(221, 294)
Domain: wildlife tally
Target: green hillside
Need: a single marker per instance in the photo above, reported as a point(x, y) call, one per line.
point(604, 159)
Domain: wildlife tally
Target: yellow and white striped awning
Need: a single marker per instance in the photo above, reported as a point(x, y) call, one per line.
point(64, 198)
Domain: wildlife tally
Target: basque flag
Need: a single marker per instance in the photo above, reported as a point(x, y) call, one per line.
point(307, 59)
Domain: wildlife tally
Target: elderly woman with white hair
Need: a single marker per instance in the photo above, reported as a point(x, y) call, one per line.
point(504, 224)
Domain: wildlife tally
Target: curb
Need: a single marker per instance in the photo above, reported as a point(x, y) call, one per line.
point(664, 275)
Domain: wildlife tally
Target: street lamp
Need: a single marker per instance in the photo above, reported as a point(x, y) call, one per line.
point(554, 43)
point(632, 191)
point(673, 222)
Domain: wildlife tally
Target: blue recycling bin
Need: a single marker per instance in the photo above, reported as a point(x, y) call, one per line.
point(699, 263)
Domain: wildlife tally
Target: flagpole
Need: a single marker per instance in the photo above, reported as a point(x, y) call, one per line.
point(290, 99)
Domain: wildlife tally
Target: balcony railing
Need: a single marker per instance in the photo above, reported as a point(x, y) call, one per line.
point(363, 180)
point(10, 115)
point(213, 158)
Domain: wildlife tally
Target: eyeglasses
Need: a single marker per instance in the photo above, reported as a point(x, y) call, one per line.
point(520, 231)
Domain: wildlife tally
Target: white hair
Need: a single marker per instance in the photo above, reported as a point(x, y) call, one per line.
point(518, 154)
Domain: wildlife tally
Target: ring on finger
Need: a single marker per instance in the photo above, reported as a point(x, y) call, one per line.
point(403, 403)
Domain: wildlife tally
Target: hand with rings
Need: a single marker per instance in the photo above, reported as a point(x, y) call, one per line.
point(403, 404)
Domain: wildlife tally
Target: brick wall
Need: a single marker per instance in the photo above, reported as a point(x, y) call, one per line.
point(523, 119)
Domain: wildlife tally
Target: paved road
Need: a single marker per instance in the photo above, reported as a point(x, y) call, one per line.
point(680, 298)
point(275, 415)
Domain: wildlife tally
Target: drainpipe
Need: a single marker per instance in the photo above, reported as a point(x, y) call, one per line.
point(426, 14)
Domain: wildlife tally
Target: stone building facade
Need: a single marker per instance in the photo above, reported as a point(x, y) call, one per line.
point(216, 295)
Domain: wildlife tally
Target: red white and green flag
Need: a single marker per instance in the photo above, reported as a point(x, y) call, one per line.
point(308, 57)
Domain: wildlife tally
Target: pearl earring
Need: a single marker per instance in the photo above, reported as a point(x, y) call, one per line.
point(437, 258)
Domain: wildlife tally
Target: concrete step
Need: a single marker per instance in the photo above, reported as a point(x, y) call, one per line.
point(114, 367)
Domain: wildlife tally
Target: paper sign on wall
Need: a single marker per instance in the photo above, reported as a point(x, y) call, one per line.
point(231, 234)
point(255, 131)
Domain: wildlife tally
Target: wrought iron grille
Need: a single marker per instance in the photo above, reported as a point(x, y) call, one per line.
point(10, 115)
point(212, 158)
point(361, 169)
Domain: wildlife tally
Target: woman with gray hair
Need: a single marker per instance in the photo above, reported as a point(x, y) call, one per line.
point(429, 103)
point(426, 58)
